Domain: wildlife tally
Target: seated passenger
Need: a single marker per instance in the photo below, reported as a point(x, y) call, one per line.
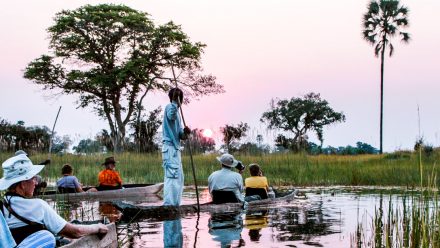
point(68, 183)
point(109, 178)
point(226, 180)
point(29, 218)
point(257, 183)
point(226, 185)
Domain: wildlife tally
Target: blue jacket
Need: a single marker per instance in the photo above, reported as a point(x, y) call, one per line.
point(172, 131)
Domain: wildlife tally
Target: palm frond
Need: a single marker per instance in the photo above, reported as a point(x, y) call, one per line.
point(405, 37)
point(377, 49)
point(369, 38)
point(391, 49)
point(373, 7)
point(403, 22)
point(392, 29)
point(403, 10)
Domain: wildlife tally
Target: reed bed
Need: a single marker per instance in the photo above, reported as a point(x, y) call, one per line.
point(395, 169)
point(413, 222)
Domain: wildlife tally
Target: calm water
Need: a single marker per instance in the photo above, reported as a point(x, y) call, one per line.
point(328, 218)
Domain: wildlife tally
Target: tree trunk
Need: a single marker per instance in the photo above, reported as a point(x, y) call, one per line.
point(381, 96)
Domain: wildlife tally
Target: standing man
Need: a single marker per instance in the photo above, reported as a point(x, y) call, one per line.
point(172, 133)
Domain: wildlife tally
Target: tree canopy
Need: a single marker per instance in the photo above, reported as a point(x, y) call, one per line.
point(111, 56)
point(17, 136)
point(301, 115)
point(233, 133)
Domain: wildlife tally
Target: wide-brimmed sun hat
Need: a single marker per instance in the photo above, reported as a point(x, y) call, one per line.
point(16, 169)
point(109, 160)
point(228, 160)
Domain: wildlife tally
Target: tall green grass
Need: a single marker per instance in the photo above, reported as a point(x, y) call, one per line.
point(399, 169)
point(414, 222)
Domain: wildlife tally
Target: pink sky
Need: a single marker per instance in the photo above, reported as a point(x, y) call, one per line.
point(267, 49)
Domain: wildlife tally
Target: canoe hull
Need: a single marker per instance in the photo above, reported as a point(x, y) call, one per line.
point(108, 194)
point(129, 210)
point(110, 240)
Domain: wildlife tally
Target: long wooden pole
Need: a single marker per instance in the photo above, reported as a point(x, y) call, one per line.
point(53, 130)
point(51, 138)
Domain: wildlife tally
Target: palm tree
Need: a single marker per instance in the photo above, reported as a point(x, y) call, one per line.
point(384, 20)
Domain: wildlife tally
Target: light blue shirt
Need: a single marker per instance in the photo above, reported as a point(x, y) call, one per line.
point(68, 182)
point(172, 131)
point(6, 239)
point(226, 180)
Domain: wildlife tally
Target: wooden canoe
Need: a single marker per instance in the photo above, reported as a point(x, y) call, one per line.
point(109, 240)
point(129, 192)
point(130, 210)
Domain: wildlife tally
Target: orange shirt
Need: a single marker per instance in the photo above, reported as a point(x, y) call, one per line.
point(109, 178)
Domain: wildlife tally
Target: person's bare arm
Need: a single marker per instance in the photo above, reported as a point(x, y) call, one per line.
point(77, 231)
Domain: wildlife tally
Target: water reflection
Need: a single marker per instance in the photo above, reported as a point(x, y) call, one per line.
point(226, 228)
point(304, 225)
point(108, 210)
point(172, 233)
point(255, 222)
point(327, 220)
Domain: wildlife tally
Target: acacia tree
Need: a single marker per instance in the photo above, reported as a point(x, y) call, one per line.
point(301, 115)
point(111, 56)
point(232, 133)
point(384, 20)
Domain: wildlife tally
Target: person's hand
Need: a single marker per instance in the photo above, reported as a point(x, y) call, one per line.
point(102, 228)
point(241, 171)
point(187, 131)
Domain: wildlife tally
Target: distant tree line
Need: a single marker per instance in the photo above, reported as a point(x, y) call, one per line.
point(17, 136)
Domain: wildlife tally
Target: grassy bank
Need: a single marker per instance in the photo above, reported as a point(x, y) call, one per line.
point(399, 168)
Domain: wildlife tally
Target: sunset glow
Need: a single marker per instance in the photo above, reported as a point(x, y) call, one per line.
point(297, 48)
point(207, 133)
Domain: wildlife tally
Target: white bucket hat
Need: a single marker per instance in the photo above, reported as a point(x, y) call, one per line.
point(16, 169)
point(227, 160)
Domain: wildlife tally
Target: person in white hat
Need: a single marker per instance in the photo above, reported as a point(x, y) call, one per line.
point(26, 216)
point(226, 179)
point(41, 185)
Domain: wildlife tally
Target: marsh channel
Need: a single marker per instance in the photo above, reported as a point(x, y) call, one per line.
point(329, 217)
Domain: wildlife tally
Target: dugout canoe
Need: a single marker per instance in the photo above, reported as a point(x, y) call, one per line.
point(129, 210)
point(129, 191)
point(110, 240)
